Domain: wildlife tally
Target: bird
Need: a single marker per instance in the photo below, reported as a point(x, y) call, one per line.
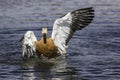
point(63, 30)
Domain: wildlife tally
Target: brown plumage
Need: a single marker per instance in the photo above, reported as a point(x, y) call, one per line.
point(63, 30)
point(47, 49)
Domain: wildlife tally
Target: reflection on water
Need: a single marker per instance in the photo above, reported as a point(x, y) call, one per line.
point(93, 53)
point(54, 69)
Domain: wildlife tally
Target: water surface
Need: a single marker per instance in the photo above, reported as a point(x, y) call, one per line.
point(93, 53)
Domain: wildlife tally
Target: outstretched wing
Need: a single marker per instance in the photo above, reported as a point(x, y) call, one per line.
point(64, 27)
point(28, 44)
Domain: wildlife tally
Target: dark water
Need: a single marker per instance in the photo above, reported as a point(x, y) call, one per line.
point(93, 53)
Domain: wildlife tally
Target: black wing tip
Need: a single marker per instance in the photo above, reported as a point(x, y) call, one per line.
point(21, 39)
point(89, 9)
point(82, 17)
point(89, 12)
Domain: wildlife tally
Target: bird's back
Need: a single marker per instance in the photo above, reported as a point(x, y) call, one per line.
point(47, 49)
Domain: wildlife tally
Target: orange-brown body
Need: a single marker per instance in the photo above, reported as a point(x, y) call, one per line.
point(47, 49)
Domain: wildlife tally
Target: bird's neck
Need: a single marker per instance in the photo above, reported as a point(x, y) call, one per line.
point(45, 38)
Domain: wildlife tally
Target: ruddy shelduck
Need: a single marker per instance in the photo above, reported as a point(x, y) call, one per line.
point(63, 30)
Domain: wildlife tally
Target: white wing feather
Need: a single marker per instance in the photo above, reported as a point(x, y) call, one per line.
point(28, 44)
point(64, 28)
point(61, 31)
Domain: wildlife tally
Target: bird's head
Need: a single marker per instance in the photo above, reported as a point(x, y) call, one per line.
point(44, 30)
point(44, 34)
